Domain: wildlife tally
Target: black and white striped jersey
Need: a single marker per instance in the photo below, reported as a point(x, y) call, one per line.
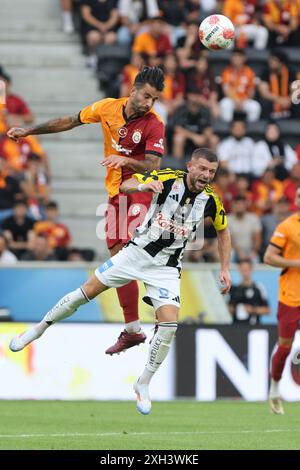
point(174, 216)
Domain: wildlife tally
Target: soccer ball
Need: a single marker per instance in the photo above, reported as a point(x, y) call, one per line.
point(216, 32)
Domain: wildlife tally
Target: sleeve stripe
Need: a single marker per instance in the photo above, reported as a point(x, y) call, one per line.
point(153, 152)
point(276, 246)
point(79, 119)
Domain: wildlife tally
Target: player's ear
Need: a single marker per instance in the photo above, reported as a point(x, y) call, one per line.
point(189, 165)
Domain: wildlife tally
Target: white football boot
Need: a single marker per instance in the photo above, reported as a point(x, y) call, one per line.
point(143, 402)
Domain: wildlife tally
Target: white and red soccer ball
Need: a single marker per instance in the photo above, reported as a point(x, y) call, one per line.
point(216, 32)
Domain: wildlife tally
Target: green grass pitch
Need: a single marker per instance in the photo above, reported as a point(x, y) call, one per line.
point(171, 425)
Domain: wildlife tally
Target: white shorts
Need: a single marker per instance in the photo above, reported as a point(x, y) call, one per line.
point(162, 283)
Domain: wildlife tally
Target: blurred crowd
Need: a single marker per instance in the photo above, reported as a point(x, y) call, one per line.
point(258, 176)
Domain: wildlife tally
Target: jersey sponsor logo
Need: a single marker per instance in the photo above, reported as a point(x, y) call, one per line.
point(136, 136)
point(159, 144)
point(119, 148)
point(163, 293)
point(171, 226)
point(279, 234)
point(123, 131)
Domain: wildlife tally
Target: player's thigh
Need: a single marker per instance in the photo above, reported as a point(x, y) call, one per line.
point(163, 292)
point(288, 321)
point(127, 265)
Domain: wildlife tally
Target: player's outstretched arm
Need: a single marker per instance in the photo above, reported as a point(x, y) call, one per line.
point(224, 248)
point(55, 125)
point(132, 185)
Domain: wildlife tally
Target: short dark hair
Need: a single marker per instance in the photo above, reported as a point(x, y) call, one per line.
point(205, 153)
point(52, 205)
point(154, 76)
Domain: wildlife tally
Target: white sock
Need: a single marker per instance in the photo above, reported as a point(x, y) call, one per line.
point(133, 327)
point(68, 24)
point(274, 389)
point(158, 349)
point(63, 309)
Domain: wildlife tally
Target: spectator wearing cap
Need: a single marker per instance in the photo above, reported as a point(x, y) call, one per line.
point(238, 85)
point(6, 256)
point(246, 231)
point(275, 87)
point(273, 152)
point(18, 229)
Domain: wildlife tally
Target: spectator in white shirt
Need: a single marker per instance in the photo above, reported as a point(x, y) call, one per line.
point(273, 152)
point(6, 256)
point(236, 152)
point(132, 14)
point(246, 231)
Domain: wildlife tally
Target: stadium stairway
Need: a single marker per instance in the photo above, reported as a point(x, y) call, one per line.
point(49, 72)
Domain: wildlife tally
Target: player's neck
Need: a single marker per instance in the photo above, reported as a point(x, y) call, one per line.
point(129, 112)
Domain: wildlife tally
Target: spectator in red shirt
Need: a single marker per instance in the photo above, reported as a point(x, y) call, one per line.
point(15, 107)
point(154, 43)
point(291, 185)
point(57, 233)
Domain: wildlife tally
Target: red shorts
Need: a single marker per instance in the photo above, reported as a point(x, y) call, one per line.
point(124, 213)
point(288, 320)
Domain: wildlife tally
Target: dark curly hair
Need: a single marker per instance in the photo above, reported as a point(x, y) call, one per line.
point(153, 76)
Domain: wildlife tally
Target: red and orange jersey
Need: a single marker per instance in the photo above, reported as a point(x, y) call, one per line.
point(240, 82)
point(280, 14)
point(286, 237)
point(132, 138)
point(57, 234)
point(16, 153)
point(239, 12)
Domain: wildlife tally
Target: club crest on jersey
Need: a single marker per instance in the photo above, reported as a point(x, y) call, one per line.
point(123, 131)
point(175, 187)
point(136, 136)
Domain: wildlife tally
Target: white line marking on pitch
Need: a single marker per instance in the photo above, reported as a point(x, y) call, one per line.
point(26, 436)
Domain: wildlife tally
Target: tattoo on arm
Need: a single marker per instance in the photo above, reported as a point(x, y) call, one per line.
point(56, 125)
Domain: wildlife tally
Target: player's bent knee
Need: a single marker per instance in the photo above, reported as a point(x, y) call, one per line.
point(167, 313)
point(93, 287)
